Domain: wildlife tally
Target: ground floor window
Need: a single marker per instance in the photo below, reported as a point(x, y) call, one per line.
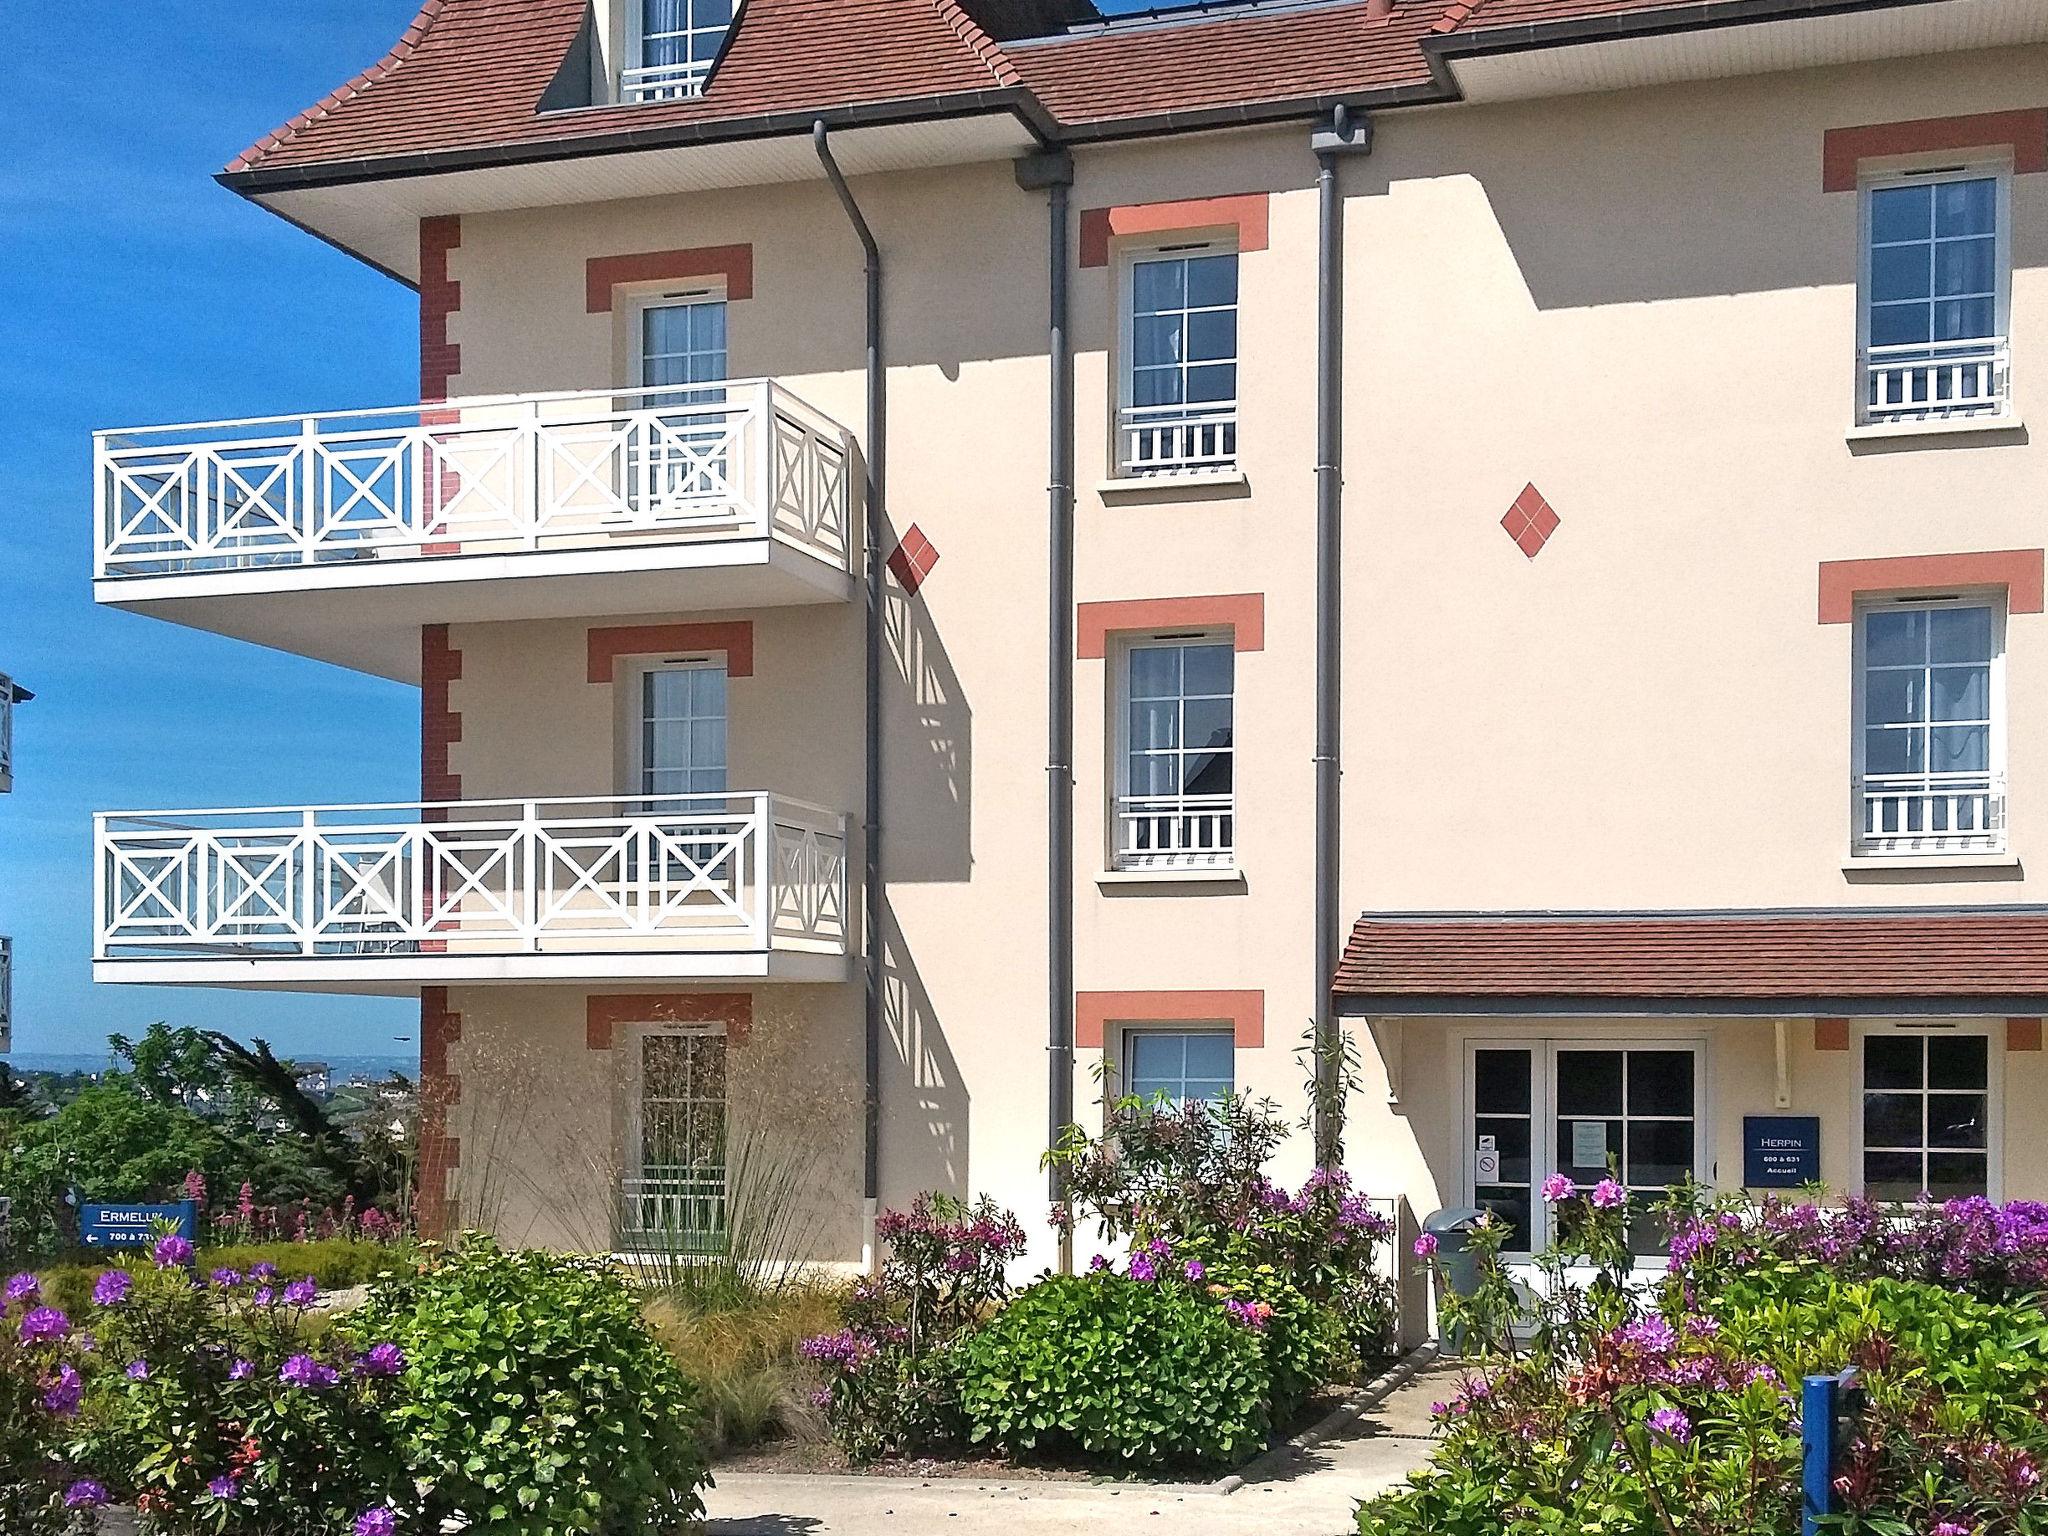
point(1179, 1064)
point(673, 1189)
point(1927, 1109)
point(1588, 1109)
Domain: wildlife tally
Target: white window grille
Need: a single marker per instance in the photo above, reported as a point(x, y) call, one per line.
point(1936, 286)
point(673, 44)
point(1930, 748)
point(673, 1195)
point(1176, 803)
point(1179, 1065)
point(1928, 1111)
point(1178, 407)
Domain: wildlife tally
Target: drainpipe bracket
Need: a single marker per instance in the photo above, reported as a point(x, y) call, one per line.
point(1348, 134)
point(1047, 168)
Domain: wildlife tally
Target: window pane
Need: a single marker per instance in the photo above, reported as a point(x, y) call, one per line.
point(1660, 1083)
point(1206, 773)
point(1962, 693)
point(1500, 1082)
point(1659, 1152)
point(1892, 751)
point(668, 744)
point(1959, 749)
point(1895, 637)
point(707, 745)
point(1965, 267)
point(1156, 386)
point(1956, 1175)
point(1963, 319)
point(1893, 697)
point(1155, 724)
point(1892, 1120)
point(713, 13)
point(1892, 1061)
point(1892, 1175)
point(707, 690)
point(1511, 1206)
point(1965, 207)
point(1211, 669)
point(1156, 340)
point(1589, 1083)
point(1959, 634)
point(1957, 1120)
point(1511, 1139)
point(1567, 1148)
point(1155, 671)
point(1157, 285)
point(1958, 1061)
point(1212, 382)
point(1900, 272)
point(1901, 213)
point(1156, 774)
point(1212, 280)
point(1212, 335)
point(1210, 1055)
point(1207, 723)
point(1899, 325)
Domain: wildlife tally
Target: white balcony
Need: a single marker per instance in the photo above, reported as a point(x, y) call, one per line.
point(386, 898)
point(6, 994)
point(1165, 832)
point(1950, 380)
point(1931, 814)
point(339, 536)
point(1169, 440)
point(11, 694)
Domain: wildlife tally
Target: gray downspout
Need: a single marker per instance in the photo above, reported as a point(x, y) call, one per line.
point(877, 443)
point(1346, 134)
point(1054, 172)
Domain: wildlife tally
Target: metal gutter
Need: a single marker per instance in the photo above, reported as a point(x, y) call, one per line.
point(1014, 100)
point(1054, 172)
point(1573, 1006)
point(1696, 17)
point(874, 512)
point(1346, 135)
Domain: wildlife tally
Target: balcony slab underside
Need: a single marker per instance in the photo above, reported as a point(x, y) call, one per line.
point(401, 976)
point(370, 622)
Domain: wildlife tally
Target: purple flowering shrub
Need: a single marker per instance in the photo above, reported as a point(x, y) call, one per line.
point(1669, 1403)
point(891, 1385)
point(40, 1391)
point(1192, 1177)
point(219, 1407)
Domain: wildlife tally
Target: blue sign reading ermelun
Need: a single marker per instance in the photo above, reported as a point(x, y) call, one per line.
point(135, 1226)
point(1780, 1151)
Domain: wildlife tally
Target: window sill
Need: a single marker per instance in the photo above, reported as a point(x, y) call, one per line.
point(1960, 426)
point(1165, 487)
point(1225, 875)
point(1931, 862)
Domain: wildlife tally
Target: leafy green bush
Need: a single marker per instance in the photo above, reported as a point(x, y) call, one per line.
point(336, 1264)
point(536, 1400)
point(1116, 1370)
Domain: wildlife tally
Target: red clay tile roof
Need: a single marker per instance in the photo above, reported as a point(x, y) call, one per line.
point(1762, 955)
point(471, 74)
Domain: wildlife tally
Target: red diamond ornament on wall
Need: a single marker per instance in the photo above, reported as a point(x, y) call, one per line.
point(1531, 521)
point(913, 559)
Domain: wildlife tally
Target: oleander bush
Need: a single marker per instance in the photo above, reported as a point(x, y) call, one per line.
point(1672, 1407)
point(536, 1400)
point(1116, 1371)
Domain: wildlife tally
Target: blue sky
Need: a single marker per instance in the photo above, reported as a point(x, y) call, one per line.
point(133, 290)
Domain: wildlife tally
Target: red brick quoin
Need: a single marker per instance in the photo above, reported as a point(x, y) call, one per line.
point(440, 1091)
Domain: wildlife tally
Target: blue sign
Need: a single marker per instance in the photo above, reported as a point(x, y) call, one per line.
point(1780, 1151)
point(135, 1226)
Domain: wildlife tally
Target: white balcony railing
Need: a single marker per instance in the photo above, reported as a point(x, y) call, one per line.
point(482, 475)
point(6, 994)
point(679, 1210)
point(720, 873)
point(1176, 831)
point(6, 733)
point(664, 82)
point(1934, 382)
point(1931, 813)
point(1176, 439)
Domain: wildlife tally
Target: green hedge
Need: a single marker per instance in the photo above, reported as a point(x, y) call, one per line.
point(336, 1263)
point(1122, 1371)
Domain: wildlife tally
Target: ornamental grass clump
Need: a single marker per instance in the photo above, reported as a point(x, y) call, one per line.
point(1117, 1371)
point(1671, 1407)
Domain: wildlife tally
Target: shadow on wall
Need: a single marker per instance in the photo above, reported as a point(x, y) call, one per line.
point(928, 747)
point(924, 1100)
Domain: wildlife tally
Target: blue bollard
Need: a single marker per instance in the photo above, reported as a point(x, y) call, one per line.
point(1819, 1403)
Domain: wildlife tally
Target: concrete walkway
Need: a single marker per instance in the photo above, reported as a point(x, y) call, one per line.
point(1310, 1491)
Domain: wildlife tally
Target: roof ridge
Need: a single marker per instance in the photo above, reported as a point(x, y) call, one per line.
point(1456, 14)
point(976, 37)
point(410, 39)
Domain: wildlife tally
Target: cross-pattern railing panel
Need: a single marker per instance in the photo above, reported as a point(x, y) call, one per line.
point(688, 872)
point(477, 476)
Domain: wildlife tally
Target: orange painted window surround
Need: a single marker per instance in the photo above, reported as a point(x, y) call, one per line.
point(2019, 571)
point(605, 645)
point(1247, 213)
point(1244, 1012)
point(2023, 133)
point(1243, 613)
point(604, 1012)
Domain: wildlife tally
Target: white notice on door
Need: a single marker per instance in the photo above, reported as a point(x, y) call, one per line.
point(1589, 1143)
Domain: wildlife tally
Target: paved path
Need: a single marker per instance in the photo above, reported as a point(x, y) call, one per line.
point(1289, 1492)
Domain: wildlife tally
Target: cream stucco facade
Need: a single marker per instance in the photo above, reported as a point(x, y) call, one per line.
point(1641, 301)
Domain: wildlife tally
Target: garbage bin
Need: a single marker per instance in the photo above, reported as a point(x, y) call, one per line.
point(1457, 1266)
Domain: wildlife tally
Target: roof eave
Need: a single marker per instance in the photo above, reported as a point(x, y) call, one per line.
point(1257, 114)
point(1365, 1003)
point(1442, 48)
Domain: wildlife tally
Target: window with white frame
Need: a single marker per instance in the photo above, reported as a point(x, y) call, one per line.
point(1177, 410)
point(1179, 1065)
point(1176, 803)
point(682, 729)
point(673, 1189)
point(1936, 284)
point(1930, 729)
point(1927, 1112)
point(671, 46)
point(682, 454)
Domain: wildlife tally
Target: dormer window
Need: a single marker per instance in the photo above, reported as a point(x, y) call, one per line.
point(670, 47)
